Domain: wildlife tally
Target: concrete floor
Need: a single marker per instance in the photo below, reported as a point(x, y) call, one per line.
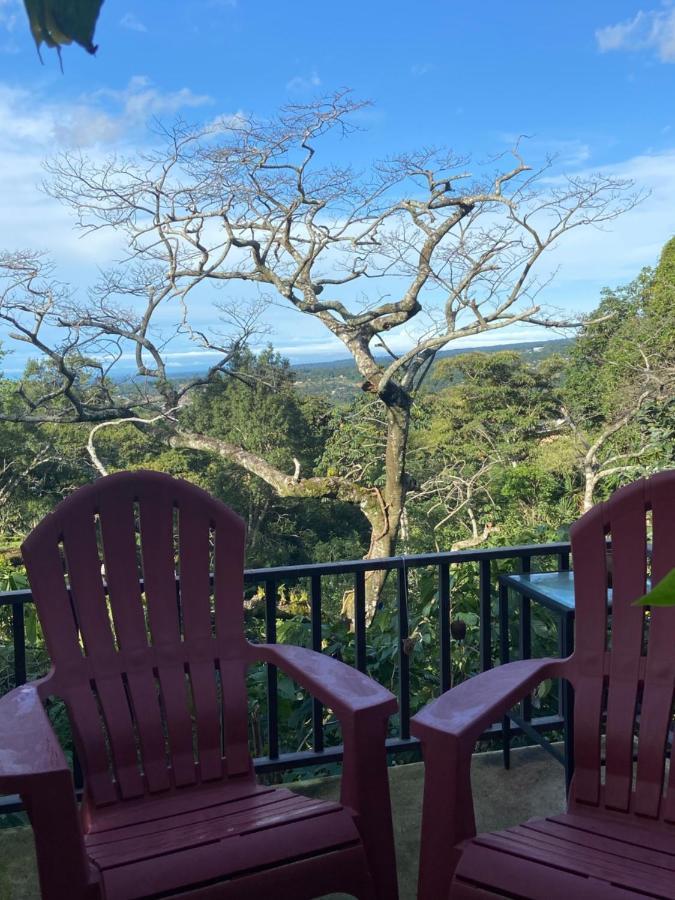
point(534, 786)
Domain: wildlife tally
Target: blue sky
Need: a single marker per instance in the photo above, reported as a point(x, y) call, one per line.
point(593, 82)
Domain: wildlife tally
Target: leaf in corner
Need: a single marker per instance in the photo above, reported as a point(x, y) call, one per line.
point(662, 595)
point(59, 22)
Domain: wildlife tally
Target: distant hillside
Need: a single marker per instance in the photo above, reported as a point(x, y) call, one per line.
point(340, 381)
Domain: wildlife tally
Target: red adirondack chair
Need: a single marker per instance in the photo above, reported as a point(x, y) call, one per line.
point(155, 688)
point(617, 838)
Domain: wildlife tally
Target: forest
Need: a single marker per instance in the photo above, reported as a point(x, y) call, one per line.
point(507, 446)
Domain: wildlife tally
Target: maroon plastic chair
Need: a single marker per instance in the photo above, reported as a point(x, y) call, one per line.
point(617, 838)
point(155, 688)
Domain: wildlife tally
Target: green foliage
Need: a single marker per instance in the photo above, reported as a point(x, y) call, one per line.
point(260, 411)
point(355, 442)
point(487, 446)
point(662, 595)
point(495, 398)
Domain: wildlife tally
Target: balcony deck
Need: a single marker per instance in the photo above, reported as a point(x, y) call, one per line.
point(534, 786)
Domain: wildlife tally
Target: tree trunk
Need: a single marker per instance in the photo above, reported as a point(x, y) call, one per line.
point(590, 482)
point(384, 534)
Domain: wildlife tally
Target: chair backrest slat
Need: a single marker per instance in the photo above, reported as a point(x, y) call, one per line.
point(119, 726)
point(629, 575)
point(91, 742)
point(143, 693)
point(590, 586)
point(87, 590)
point(148, 657)
point(228, 586)
point(121, 559)
point(657, 705)
point(194, 531)
point(195, 590)
point(159, 573)
point(47, 578)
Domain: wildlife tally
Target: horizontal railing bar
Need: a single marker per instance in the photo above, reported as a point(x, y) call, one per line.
point(394, 745)
point(306, 570)
point(25, 595)
point(455, 557)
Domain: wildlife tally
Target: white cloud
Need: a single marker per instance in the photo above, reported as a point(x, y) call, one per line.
point(303, 83)
point(650, 30)
point(589, 259)
point(33, 126)
point(140, 100)
point(103, 117)
point(132, 23)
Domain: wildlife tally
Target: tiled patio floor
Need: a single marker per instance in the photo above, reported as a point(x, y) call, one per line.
point(534, 786)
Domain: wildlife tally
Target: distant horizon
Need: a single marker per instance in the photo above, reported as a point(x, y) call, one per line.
point(122, 373)
point(447, 351)
point(126, 367)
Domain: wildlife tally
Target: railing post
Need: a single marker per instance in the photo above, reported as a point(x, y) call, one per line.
point(19, 641)
point(525, 634)
point(317, 706)
point(403, 647)
point(504, 657)
point(272, 698)
point(485, 604)
point(360, 619)
point(444, 626)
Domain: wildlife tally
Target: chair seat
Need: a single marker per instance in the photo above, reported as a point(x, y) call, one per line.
point(201, 836)
point(571, 855)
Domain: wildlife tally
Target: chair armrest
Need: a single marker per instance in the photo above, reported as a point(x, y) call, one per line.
point(339, 686)
point(468, 709)
point(28, 746)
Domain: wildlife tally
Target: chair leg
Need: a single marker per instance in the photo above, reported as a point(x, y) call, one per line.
point(365, 789)
point(447, 816)
point(59, 846)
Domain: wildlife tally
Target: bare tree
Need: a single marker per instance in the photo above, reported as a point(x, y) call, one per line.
point(601, 453)
point(396, 263)
point(454, 494)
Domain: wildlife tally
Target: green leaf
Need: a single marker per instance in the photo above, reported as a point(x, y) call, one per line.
point(60, 22)
point(662, 595)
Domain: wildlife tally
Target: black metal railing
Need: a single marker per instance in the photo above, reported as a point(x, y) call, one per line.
point(271, 578)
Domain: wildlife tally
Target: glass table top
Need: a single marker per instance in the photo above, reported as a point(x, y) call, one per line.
point(555, 586)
